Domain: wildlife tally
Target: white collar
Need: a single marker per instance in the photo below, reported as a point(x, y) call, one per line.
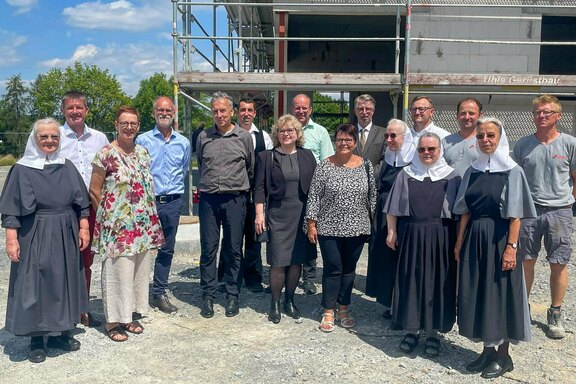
point(366, 128)
point(439, 170)
point(404, 156)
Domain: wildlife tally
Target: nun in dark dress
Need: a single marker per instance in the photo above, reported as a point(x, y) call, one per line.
point(492, 299)
point(421, 228)
point(382, 260)
point(44, 206)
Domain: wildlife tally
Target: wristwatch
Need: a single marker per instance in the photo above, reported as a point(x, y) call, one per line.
point(513, 245)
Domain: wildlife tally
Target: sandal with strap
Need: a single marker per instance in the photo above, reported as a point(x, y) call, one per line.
point(134, 327)
point(432, 347)
point(115, 332)
point(409, 343)
point(346, 319)
point(327, 323)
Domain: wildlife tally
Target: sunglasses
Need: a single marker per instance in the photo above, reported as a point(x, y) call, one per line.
point(391, 135)
point(427, 149)
point(490, 135)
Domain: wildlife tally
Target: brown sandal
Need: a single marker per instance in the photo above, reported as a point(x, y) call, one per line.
point(115, 332)
point(134, 327)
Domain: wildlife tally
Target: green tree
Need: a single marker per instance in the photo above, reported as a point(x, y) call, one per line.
point(15, 120)
point(151, 88)
point(330, 112)
point(103, 93)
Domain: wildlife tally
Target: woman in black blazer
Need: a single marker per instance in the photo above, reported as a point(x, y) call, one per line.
point(283, 177)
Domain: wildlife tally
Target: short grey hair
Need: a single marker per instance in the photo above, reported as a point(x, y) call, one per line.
point(221, 95)
point(432, 135)
point(364, 97)
point(44, 122)
point(488, 120)
point(400, 123)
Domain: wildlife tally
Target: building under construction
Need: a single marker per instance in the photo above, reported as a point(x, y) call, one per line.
point(503, 52)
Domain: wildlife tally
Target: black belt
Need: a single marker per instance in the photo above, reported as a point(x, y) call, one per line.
point(163, 199)
point(546, 207)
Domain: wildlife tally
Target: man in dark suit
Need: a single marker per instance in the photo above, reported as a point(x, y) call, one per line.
point(371, 142)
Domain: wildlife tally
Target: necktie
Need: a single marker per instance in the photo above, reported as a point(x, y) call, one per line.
point(363, 138)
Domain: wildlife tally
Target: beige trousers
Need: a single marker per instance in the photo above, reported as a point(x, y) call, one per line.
point(125, 285)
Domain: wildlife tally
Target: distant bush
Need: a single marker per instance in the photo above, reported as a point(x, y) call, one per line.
point(7, 160)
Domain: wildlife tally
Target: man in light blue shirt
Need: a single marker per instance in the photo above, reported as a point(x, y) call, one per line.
point(316, 139)
point(170, 159)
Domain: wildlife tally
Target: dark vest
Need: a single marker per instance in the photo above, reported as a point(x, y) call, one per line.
point(260, 145)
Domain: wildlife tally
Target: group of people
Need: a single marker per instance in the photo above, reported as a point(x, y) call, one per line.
point(74, 195)
point(453, 223)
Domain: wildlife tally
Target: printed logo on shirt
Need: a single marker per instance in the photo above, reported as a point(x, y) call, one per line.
point(560, 157)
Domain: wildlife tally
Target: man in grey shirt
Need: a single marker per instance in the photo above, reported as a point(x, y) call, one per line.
point(460, 147)
point(226, 166)
point(549, 161)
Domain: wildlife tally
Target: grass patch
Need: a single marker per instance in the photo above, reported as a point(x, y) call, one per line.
point(7, 160)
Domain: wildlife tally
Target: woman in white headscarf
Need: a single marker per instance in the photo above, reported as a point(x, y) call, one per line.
point(44, 206)
point(492, 300)
point(421, 228)
point(382, 260)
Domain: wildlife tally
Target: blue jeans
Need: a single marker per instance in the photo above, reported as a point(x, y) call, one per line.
point(169, 215)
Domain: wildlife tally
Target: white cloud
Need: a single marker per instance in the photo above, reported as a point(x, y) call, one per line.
point(9, 43)
point(120, 15)
point(23, 6)
point(130, 63)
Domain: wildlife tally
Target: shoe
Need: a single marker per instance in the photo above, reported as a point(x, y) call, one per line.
point(162, 303)
point(327, 322)
point(207, 308)
point(117, 334)
point(345, 318)
point(274, 315)
point(290, 308)
point(409, 343)
point(498, 367)
point(64, 342)
point(432, 347)
point(134, 327)
point(37, 353)
point(232, 307)
point(482, 361)
point(387, 314)
point(87, 320)
point(555, 329)
point(309, 287)
point(255, 288)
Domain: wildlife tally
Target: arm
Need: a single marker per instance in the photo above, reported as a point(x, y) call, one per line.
point(84, 234)
point(464, 219)
point(12, 245)
point(326, 147)
point(312, 232)
point(573, 174)
point(260, 220)
point(96, 184)
point(509, 256)
point(392, 237)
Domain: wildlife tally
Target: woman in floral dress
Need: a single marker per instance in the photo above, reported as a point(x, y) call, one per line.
point(127, 225)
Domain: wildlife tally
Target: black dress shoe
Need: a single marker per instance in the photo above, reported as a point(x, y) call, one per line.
point(64, 342)
point(290, 309)
point(207, 308)
point(87, 320)
point(37, 353)
point(498, 367)
point(255, 288)
point(162, 303)
point(232, 307)
point(482, 361)
point(309, 287)
point(274, 315)
point(387, 314)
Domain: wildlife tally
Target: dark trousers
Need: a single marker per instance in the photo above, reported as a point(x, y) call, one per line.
point(229, 212)
point(309, 270)
point(339, 257)
point(87, 254)
point(169, 214)
point(251, 267)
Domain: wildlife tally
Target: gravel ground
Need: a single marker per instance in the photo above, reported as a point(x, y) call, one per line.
point(186, 348)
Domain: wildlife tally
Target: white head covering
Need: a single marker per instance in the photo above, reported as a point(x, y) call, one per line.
point(404, 155)
point(437, 171)
point(500, 160)
point(34, 157)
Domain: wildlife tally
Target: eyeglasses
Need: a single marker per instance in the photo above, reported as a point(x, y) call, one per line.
point(391, 135)
point(289, 131)
point(489, 135)
point(46, 137)
point(365, 109)
point(420, 109)
point(164, 111)
point(125, 124)
point(345, 141)
point(544, 113)
point(427, 149)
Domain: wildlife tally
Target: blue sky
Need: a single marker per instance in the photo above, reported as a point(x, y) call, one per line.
point(130, 38)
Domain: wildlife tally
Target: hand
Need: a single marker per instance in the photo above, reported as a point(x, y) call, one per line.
point(312, 234)
point(509, 259)
point(391, 240)
point(259, 224)
point(13, 250)
point(84, 237)
point(457, 248)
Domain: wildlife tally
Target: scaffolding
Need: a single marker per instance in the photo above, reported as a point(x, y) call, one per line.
point(246, 54)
